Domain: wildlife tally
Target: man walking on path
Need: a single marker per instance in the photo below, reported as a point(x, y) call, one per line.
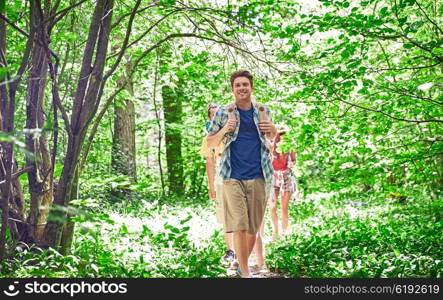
point(245, 165)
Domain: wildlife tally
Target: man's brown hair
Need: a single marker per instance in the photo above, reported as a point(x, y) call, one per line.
point(242, 73)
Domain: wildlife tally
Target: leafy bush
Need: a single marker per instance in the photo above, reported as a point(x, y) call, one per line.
point(400, 241)
point(148, 240)
point(330, 238)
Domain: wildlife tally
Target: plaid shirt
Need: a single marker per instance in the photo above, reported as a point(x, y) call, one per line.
point(220, 119)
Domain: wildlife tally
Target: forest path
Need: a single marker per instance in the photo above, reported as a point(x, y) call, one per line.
point(256, 271)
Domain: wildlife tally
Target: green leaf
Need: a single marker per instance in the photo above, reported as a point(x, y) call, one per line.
point(345, 54)
point(402, 21)
point(175, 230)
point(124, 229)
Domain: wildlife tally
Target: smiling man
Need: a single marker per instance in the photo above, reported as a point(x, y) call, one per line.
point(245, 165)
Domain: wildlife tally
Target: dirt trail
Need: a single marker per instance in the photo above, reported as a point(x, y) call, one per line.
point(256, 271)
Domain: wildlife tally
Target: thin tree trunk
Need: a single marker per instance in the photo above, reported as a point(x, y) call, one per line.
point(6, 188)
point(157, 116)
point(7, 106)
point(4, 99)
point(86, 101)
point(40, 175)
point(68, 229)
point(11, 197)
point(18, 222)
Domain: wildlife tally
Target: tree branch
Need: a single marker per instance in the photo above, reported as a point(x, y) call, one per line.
point(57, 16)
point(18, 173)
point(427, 17)
point(125, 42)
point(128, 14)
point(383, 113)
point(141, 36)
point(3, 17)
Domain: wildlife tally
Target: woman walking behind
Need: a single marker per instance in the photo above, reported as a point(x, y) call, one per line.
point(282, 182)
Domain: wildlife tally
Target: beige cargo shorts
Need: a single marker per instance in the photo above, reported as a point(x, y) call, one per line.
point(244, 204)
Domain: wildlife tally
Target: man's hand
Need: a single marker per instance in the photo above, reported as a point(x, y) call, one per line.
point(268, 128)
point(230, 125)
point(215, 139)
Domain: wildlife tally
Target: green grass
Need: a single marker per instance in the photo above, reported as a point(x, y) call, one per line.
point(170, 238)
point(135, 239)
point(390, 240)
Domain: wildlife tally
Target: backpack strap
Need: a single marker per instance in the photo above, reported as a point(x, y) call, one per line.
point(262, 116)
point(230, 108)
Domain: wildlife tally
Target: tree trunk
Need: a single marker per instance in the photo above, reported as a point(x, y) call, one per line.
point(6, 153)
point(158, 120)
point(40, 176)
point(18, 224)
point(68, 229)
point(11, 195)
point(172, 106)
point(123, 140)
point(86, 102)
point(7, 107)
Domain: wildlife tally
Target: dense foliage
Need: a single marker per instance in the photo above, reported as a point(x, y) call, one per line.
point(387, 239)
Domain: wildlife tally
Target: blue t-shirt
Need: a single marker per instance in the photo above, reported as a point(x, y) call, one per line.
point(245, 150)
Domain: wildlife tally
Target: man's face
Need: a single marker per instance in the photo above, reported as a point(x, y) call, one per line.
point(242, 89)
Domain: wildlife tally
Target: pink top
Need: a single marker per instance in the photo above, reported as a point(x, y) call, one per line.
point(279, 160)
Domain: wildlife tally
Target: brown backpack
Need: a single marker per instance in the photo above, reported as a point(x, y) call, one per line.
point(262, 116)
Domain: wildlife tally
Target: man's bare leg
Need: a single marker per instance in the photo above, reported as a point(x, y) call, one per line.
point(258, 248)
point(284, 210)
point(251, 242)
point(241, 247)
